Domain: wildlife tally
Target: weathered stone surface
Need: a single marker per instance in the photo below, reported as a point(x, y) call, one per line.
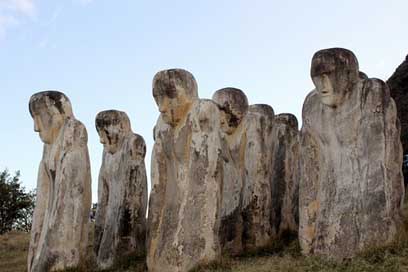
point(233, 105)
point(285, 175)
point(186, 176)
point(258, 173)
point(260, 181)
point(351, 187)
point(59, 234)
point(120, 224)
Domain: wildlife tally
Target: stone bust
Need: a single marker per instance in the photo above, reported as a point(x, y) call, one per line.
point(335, 73)
point(174, 91)
point(112, 127)
point(49, 110)
point(233, 104)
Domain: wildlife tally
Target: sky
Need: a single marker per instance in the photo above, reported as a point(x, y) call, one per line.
point(103, 54)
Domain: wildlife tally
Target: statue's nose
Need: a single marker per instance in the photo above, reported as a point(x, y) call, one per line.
point(36, 128)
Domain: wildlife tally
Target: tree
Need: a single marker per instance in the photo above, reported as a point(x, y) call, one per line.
point(24, 222)
point(16, 206)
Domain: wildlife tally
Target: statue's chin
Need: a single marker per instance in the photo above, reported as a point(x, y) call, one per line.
point(328, 100)
point(111, 149)
point(45, 139)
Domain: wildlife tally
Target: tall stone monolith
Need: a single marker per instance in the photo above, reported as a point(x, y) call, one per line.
point(186, 177)
point(285, 175)
point(351, 188)
point(59, 234)
point(233, 105)
point(258, 178)
point(120, 225)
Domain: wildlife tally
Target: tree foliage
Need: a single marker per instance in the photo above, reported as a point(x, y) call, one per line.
point(16, 205)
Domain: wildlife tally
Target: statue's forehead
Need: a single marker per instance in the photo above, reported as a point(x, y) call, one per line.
point(165, 88)
point(231, 97)
point(321, 65)
point(49, 101)
point(43, 105)
point(111, 118)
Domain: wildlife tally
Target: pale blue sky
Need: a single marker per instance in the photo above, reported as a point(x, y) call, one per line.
point(103, 54)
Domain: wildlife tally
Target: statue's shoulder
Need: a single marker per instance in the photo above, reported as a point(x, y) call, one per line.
point(375, 86)
point(311, 97)
point(138, 138)
point(311, 102)
point(75, 132)
point(375, 91)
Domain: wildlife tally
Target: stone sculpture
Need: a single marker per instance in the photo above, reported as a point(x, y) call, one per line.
point(186, 176)
point(258, 173)
point(285, 175)
point(120, 223)
point(59, 234)
point(351, 187)
point(233, 105)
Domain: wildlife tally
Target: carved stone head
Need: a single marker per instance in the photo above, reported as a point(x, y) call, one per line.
point(233, 104)
point(49, 110)
point(112, 127)
point(288, 119)
point(334, 73)
point(174, 91)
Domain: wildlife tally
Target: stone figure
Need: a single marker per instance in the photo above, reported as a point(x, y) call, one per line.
point(258, 178)
point(351, 188)
point(285, 175)
point(186, 176)
point(120, 223)
point(59, 234)
point(233, 105)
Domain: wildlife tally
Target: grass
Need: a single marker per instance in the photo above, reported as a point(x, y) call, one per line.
point(281, 256)
point(13, 251)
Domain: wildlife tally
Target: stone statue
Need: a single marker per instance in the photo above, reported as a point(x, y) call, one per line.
point(120, 223)
point(233, 105)
point(59, 234)
point(258, 173)
point(186, 176)
point(351, 188)
point(285, 175)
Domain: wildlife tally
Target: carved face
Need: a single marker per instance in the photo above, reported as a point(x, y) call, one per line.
point(233, 105)
point(48, 125)
point(109, 137)
point(173, 108)
point(230, 120)
point(112, 127)
point(49, 110)
point(174, 91)
point(324, 87)
point(334, 73)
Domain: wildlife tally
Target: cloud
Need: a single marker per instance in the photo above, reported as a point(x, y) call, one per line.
point(12, 12)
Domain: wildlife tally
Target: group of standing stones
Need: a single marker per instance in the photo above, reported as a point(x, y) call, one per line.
point(214, 186)
point(227, 177)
